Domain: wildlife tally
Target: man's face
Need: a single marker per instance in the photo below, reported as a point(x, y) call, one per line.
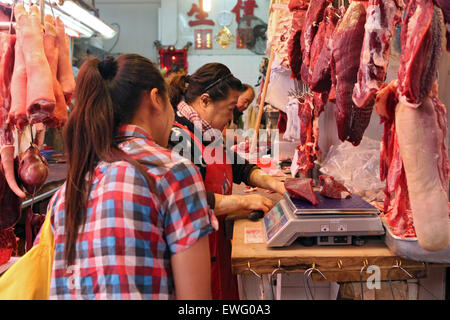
point(245, 99)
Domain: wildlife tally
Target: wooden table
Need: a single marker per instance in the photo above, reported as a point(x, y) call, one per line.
point(337, 263)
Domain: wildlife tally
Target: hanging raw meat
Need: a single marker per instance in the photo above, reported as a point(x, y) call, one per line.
point(418, 62)
point(65, 73)
point(320, 76)
point(314, 16)
point(18, 113)
point(59, 116)
point(309, 110)
point(301, 188)
point(294, 45)
point(347, 43)
point(298, 5)
point(7, 48)
point(445, 7)
point(331, 188)
point(397, 211)
point(381, 20)
point(40, 96)
point(9, 206)
point(421, 143)
point(414, 159)
point(8, 243)
point(7, 44)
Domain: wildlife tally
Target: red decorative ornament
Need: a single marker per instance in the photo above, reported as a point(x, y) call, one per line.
point(173, 60)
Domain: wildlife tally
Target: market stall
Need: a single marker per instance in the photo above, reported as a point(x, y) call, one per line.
point(339, 68)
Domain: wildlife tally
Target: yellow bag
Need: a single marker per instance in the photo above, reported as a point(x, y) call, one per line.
point(29, 278)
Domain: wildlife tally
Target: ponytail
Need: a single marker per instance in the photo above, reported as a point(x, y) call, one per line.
point(88, 134)
point(177, 88)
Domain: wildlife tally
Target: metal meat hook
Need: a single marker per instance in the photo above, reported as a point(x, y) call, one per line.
point(279, 269)
point(308, 277)
point(398, 265)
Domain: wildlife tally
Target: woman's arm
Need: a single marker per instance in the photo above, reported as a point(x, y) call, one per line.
point(192, 272)
point(262, 180)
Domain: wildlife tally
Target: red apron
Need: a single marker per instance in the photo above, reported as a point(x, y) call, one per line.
point(219, 179)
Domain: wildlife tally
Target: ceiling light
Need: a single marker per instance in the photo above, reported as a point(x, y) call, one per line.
point(90, 20)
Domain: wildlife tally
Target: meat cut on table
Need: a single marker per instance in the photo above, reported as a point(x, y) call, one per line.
point(331, 188)
point(301, 188)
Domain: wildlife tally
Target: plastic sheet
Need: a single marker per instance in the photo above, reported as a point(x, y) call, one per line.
point(358, 168)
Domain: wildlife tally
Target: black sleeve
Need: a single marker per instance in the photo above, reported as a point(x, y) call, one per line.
point(242, 169)
point(211, 199)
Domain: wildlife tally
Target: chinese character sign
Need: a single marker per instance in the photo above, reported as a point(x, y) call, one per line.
point(199, 15)
point(248, 7)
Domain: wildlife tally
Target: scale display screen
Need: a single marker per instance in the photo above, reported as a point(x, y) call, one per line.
point(274, 221)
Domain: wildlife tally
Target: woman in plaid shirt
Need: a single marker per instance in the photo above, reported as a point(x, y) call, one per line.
point(132, 219)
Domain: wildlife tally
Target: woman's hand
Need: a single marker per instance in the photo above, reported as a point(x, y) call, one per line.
point(234, 204)
point(262, 180)
point(254, 202)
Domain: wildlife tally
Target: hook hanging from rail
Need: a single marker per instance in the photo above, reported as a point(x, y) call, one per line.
point(257, 275)
point(307, 277)
point(278, 270)
point(398, 265)
point(365, 265)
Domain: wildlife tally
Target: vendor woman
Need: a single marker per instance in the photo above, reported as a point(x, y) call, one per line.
point(205, 103)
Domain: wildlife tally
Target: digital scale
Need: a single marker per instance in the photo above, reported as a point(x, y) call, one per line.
point(331, 222)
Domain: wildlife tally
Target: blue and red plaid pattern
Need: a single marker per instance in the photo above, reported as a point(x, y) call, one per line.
point(124, 249)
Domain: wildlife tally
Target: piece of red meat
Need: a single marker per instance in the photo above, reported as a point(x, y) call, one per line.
point(8, 243)
point(298, 5)
point(320, 75)
point(381, 20)
point(314, 16)
point(7, 47)
point(347, 43)
point(282, 122)
point(445, 7)
point(420, 54)
point(40, 97)
point(301, 188)
point(18, 113)
point(308, 150)
point(294, 45)
point(331, 188)
point(9, 208)
point(51, 47)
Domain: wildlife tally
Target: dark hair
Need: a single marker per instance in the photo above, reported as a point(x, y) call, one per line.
point(107, 95)
point(212, 78)
point(246, 87)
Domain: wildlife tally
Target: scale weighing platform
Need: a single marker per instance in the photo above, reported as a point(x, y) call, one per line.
point(331, 222)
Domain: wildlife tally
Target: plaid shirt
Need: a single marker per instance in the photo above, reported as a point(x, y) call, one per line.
point(124, 249)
